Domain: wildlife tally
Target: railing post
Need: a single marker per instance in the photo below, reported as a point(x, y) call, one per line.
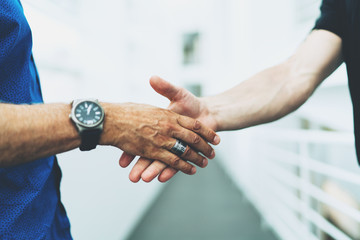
point(304, 183)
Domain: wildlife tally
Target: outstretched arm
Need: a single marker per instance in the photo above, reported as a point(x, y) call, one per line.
point(265, 97)
point(279, 90)
point(29, 132)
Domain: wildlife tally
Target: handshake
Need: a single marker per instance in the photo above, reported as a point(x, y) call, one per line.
point(166, 140)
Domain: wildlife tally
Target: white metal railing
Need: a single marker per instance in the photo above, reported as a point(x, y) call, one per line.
point(283, 178)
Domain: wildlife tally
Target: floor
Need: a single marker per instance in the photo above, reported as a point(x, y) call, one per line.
point(205, 206)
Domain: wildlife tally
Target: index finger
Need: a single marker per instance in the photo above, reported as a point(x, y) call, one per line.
point(196, 126)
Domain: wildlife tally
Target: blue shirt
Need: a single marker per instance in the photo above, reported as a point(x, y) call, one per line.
point(30, 206)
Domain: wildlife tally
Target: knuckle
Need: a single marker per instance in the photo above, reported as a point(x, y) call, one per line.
point(207, 149)
point(211, 134)
point(196, 139)
point(175, 162)
point(168, 145)
point(199, 160)
point(156, 170)
point(156, 133)
point(200, 163)
point(169, 129)
point(152, 171)
point(178, 119)
point(160, 142)
point(187, 168)
point(187, 152)
point(171, 132)
point(165, 125)
point(197, 125)
point(143, 151)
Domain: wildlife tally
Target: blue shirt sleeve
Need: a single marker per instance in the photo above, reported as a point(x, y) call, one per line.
point(9, 28)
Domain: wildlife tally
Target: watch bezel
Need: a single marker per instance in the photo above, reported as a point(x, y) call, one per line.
point(74, 118)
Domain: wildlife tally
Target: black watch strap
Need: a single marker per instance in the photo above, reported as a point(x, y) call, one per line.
point(89, 139)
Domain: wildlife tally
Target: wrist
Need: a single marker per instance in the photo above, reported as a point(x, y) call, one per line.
point(210, 112)
point(105, 137)
point(114, 114)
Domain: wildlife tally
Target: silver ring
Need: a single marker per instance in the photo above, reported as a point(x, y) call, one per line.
point(179, 148)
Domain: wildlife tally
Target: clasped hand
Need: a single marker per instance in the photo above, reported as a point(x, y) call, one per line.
point(151, 132)
point(181, 102)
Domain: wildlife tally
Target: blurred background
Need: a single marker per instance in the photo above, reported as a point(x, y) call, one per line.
point(297, 178)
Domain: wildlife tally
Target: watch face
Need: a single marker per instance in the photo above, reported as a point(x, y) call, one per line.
point(88, 113)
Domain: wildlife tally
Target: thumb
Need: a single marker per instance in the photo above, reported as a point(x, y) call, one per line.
point(164, 88)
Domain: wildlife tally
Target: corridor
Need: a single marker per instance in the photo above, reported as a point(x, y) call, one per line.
point(205, 206)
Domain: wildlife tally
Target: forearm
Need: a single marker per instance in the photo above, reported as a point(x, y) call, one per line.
point(29, 132)
point(277, 91)
point(267, 96)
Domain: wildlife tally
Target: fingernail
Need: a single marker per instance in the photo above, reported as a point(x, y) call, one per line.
point(204, 163)
point(213, 154)
point(193, 170)
point(216, 139)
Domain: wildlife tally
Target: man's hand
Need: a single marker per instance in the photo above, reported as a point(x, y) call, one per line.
point(181, 102)
point(151, 132)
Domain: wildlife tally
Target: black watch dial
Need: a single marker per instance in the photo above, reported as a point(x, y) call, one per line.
point(89, 113)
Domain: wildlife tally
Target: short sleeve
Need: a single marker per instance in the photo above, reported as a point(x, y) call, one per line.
point(332, 17)
point(9, 28)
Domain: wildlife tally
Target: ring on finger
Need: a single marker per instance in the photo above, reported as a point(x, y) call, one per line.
point(179, 148)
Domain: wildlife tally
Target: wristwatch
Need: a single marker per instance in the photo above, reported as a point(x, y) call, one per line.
point(88, 117)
